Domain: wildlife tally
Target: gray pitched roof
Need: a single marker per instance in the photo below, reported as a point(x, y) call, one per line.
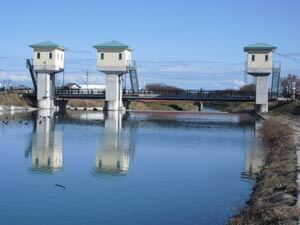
point(47, 44)
point(112, 44)
point(259, 46)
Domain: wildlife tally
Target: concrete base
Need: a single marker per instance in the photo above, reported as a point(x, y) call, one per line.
point(261, 108)
point(113, 93)
point(261, 98)
point(200, 106)
point(46, 103)
point(113, 106)
point(45, 91)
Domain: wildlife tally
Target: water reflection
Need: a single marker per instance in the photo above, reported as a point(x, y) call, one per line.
point(46, 146)
point(254, 156)
point(113, 154)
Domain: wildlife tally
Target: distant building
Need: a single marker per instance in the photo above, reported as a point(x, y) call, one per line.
point(93, 86)
point(71, 86)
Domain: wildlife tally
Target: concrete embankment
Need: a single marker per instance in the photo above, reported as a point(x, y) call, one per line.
point(274, 199)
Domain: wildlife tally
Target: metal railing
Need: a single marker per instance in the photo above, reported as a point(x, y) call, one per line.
point(79, 92)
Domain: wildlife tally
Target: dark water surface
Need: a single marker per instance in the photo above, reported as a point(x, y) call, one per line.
point(138, 168)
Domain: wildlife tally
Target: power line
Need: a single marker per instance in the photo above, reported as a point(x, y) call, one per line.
point(287, 57)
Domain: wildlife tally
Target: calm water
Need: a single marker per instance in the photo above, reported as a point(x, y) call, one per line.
point(140, 168)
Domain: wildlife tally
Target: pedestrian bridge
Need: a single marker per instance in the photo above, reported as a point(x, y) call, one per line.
point(188, 95)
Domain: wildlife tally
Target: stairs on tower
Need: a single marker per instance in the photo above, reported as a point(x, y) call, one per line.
point(133, 77)
point(33, 74)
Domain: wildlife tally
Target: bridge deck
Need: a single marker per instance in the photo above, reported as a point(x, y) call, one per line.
point(192, 95)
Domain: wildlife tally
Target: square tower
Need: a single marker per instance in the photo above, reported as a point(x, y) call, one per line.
point(113, 57)
point(48, 57)
point(260, 65)
point(259, 59)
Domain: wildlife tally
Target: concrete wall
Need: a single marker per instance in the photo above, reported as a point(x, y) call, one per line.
point(45, 90)
point(262, 90)
point(113, 93)
point(259, 65)
point(55, 64)
point(111, 61)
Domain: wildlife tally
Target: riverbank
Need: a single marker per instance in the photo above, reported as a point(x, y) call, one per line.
point(14, 102)
point(274, 199)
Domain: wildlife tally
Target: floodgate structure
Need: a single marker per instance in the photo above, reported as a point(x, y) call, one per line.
point(114, 59)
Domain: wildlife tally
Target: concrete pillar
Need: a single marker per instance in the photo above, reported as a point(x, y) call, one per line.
point(200, 106)
point(261, 99)
point(113, 93)
point(45, 90)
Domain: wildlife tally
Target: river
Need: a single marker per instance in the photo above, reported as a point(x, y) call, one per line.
point(135, 168)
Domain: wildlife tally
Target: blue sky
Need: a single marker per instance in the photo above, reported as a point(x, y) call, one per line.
point(187, 43)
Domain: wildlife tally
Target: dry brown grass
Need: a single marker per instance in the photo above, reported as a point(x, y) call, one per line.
point(13, 99)
point(85, 103)
point(274, 196)
point(163, 105)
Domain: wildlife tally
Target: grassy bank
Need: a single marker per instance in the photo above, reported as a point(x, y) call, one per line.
point(234, 107)
point(274, 196)
point(85, 103)
point(163, 105)
point(284, 107)
point(14, 99)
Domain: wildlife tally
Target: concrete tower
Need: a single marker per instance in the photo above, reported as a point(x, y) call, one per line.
point(48, 60)
point(113, 59)
point(260, 65)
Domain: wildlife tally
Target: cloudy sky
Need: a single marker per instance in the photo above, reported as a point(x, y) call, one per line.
point(187, 43)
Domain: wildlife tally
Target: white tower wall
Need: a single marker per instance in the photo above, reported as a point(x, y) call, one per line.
point(262, 97)
point(113, 93)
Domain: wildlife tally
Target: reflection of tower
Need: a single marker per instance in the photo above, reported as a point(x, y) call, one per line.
point(46, 143)
point(114, 154)
point(254, 158)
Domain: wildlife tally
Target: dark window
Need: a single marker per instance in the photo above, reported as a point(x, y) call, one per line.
point(120, 56)
point(50, 55)
point(36, 161)
point(266, 58)
point(38, 55)
point(102, 56)
point(49, 161)
point(118, 165)
point(253, 58)
point(100, 163)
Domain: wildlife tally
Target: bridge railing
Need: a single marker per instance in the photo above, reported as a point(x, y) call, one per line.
point(79, 92)
point(191, 93)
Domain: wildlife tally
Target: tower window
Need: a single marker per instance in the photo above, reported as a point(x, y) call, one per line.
point(102, 56)
point(266, 58)
point(38, 55)
point(253, 58)
point(120, 56)
point(50, 55)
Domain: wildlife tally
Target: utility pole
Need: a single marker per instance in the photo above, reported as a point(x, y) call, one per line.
point(87, 79)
